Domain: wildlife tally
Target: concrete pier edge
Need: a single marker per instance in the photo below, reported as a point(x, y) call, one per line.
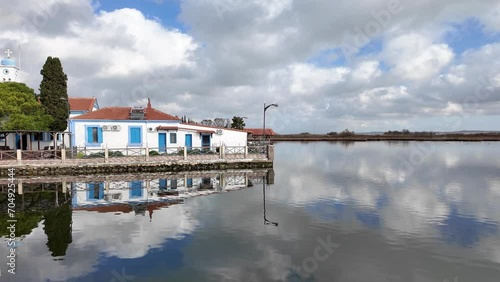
point(141, 167)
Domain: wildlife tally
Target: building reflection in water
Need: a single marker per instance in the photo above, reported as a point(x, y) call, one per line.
point(53, 200)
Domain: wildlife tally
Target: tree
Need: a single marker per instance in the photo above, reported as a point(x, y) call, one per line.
point(238, 123)
point(54, 93)
point(222, 122)
point(207, 122)
point(57, 227)
point(19, 109)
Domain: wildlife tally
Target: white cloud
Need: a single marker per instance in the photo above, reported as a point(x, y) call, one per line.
point(260, 49)
point(366, 71)
point(415, 57)
point(306, 79)
point(491, 19)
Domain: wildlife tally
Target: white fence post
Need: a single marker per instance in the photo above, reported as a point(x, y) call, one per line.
point(185, 153)
point(106, 154)
point(147, 153)
point(222, 149)
point(63, 155)
point(246, 152)
point(19, 156)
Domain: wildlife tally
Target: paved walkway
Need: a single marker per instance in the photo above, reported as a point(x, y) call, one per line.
point(135, 159)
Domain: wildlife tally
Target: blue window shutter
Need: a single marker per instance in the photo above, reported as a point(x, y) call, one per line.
point(135, 135)
point(89, 135)
point(99, 135)
point(163, 184)
point(135, 189)
point(90, 191)
point(101, 191)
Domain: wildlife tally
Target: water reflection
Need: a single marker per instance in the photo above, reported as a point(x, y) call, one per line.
point(432, 222)
point(264, 182)
point(59, 212)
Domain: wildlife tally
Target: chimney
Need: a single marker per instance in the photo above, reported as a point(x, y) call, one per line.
point(149, 103)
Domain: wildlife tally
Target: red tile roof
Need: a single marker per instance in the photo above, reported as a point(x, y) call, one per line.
point(123, 113)
point(81, 104)
point(258, 131)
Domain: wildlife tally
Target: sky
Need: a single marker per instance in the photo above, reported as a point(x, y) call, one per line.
point(329, 65)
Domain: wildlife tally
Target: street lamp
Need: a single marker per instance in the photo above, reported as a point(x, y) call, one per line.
point(264, 126)
point(266, 221)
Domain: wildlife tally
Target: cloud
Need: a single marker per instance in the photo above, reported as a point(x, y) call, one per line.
point(415, 57)
point(258, 51)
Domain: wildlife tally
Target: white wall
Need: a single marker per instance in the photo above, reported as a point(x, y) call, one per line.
point(120, 139)
point(119, 191)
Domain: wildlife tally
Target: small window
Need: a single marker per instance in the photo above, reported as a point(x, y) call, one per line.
point(94, 135)
point(135, 189)
point(135, 135)
point(95, 191)
point(173, 138)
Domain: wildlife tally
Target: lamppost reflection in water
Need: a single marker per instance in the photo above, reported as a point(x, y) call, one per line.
point(266, 221)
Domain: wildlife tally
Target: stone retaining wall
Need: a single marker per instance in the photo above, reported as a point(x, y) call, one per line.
point(117, 168)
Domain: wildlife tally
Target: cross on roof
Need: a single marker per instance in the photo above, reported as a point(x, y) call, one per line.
point(8, 52)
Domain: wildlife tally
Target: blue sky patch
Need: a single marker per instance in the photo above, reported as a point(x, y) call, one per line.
point(164, 10)
point(469, 34)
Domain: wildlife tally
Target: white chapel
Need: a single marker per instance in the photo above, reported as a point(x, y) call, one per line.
point(9, 69)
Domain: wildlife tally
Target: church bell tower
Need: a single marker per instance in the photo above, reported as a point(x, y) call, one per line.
point(9, 72)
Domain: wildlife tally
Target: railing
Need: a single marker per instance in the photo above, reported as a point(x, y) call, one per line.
point(139, 154)
point(207, 150)
point(256, 150)
point(41, 155)
point(234, 150)
point(8, 155)
point(166, 151)
point(92, 153)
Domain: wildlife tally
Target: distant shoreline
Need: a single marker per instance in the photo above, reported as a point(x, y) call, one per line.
point(366, 137)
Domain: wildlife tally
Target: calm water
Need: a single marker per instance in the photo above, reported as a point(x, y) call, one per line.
point(335, 212)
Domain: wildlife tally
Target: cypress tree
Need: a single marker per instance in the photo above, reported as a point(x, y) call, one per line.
point(54, 93)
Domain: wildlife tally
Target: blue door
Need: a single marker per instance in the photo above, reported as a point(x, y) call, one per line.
point(162, 142)
point(189, 141)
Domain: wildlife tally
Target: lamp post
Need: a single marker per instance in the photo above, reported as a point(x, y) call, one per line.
point(264, 125)
point(266, 221)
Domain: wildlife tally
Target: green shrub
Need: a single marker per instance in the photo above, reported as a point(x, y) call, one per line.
point(154, 153)
point(115, 154)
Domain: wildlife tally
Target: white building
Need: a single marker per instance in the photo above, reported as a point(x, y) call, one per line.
point(129, 127)
point(10, 71)
point(111, 195)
